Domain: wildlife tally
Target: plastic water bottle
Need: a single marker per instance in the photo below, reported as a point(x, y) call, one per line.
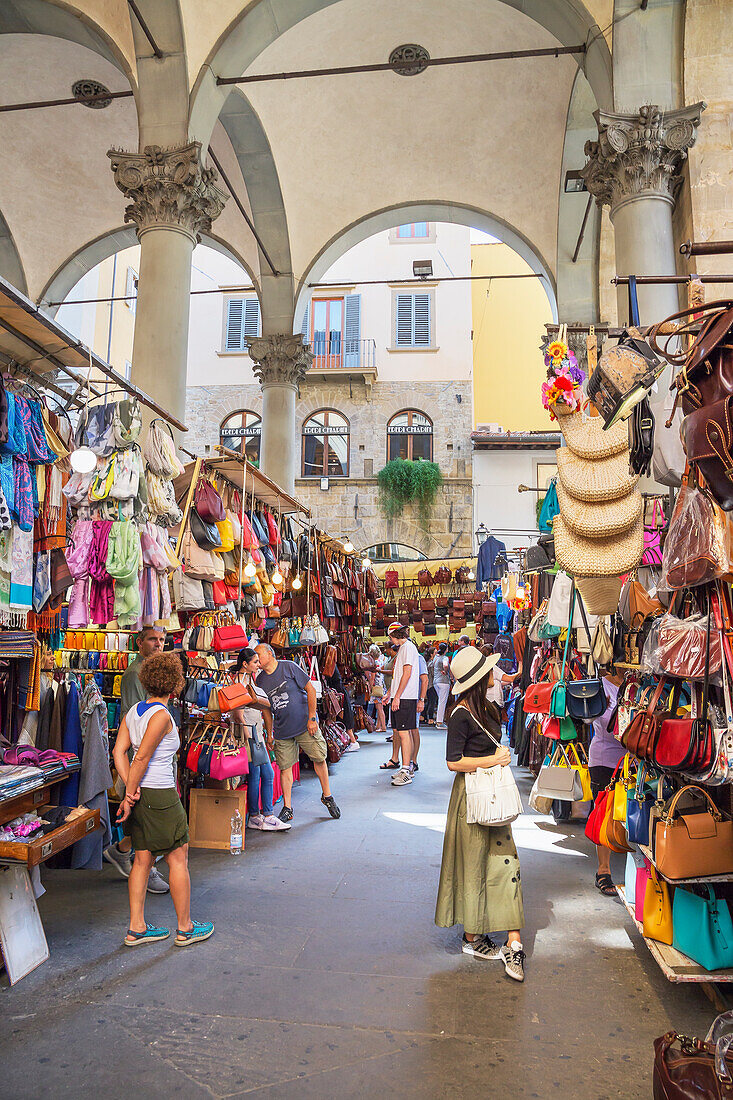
point(235, 840)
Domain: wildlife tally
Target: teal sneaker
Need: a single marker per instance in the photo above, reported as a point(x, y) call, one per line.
point(150, 935)
point(201, 931)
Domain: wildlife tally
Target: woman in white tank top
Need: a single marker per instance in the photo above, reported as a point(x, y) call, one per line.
point(152, 812)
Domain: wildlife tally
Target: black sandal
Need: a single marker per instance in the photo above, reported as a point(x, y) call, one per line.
point(389, 765)
point(604, 883)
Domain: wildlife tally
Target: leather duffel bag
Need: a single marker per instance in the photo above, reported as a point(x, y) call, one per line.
point(684, 1069)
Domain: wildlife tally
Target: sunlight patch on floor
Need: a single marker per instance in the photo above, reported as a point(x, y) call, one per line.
point(435, 822)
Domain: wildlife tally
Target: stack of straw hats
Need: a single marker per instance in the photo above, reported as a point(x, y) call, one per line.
point(599, 532)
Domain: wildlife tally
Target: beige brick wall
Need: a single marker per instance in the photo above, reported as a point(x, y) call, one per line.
point(350, 506)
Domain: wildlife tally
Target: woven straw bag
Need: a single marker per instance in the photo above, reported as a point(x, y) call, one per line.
point(585, 436)
point(600, 594)
point(605, 479)
point(593, 521)
point(605, 557)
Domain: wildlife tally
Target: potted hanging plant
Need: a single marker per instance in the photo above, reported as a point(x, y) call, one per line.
point(402, 482)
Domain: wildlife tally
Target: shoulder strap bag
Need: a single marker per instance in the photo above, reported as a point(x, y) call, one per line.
point(585, 699)
point(492, 795)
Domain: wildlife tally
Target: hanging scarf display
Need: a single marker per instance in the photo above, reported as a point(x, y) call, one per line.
point(21, 573)
point(78, 558)
point(124, 560)
point(6, 564)
point(101, 589)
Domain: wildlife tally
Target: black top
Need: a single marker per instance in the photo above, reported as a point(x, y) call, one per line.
point(466, 738)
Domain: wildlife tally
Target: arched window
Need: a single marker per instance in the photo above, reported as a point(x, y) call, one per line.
point(410, 435)
point(326, 445)
point(392, 551)
point(241, 431)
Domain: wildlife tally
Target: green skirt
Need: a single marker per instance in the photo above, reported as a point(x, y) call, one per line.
point(480, 885)
point(158, 821)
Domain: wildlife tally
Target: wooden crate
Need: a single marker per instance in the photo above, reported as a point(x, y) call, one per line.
point(210, 815)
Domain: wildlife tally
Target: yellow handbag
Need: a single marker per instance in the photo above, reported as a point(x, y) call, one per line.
point(657, 921)
point(226, 534)
point(621, 790)
point(580, 765)
point(113, 661)
point(117, 686)
point(89, 639)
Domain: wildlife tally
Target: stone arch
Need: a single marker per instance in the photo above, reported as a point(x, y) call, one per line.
point(11, 266)
point(94, 252)
point(399, 530)
point(435, 211)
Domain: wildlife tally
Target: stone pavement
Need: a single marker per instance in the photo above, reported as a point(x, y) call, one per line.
point(326, 976)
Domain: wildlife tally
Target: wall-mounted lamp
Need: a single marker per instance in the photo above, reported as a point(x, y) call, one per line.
point(574, 182)
point(422, 269)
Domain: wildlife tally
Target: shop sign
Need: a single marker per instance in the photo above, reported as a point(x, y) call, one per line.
point(241, 433)
point(323, 429)
point(409, 429)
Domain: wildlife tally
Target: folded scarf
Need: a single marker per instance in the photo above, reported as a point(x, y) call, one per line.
point(124, 560)
point(101, 591)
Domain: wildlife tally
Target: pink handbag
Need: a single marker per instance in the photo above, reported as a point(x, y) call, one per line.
point(642, 878)
point(228, 762)
point(652, 541)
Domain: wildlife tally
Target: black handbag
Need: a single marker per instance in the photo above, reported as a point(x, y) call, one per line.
point(585, 699)
point(205, 535)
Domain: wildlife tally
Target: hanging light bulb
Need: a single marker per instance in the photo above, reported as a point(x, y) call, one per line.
point(471, 575)
point(348, 547)
point(250, 569)
point(83, 460)
point(366, 562)
point(297, 583)
point(277, 577)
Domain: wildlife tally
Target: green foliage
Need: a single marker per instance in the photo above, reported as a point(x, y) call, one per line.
point(403, 481)
point(538, 508)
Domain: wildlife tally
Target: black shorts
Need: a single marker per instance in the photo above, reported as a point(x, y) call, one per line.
point(599, 778)
point(405, 717)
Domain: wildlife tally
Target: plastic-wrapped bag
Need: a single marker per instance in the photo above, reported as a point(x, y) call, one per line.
point(682, 647)
point(697, 547)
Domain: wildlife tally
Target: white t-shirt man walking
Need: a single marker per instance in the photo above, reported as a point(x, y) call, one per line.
point(404, 695)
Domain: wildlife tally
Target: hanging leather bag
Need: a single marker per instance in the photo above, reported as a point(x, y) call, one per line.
point(206, 535)
point(686, 744)
point(689, 845)
point(585, 699)
point(207, 502)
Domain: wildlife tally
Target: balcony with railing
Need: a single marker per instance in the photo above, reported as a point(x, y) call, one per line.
point(335, 355)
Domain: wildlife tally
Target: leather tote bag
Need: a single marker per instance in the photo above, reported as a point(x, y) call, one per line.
point(657, 919)
point(703, 929)
point(206, 534)
point(208, 503)
point(689, 1069)
point(688, 845)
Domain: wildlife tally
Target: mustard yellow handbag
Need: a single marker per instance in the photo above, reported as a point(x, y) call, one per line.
point(621, 791)
point(658, 909)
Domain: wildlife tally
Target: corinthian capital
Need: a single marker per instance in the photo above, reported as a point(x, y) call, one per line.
point(639, 154)
point(168, 187)
point(280, 359)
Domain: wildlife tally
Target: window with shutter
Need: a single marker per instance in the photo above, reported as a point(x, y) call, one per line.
point(421, 322)
point(352, 330)
point(235, 324)
point(403, 314)
point(131, 290)
point(413, 321)
point(251, 319)
point(304, 323)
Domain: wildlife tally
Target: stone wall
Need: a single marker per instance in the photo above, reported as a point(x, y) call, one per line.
point(350, 505)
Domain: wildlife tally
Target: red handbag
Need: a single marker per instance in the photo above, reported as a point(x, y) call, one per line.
point(192, 756)
point(208, 502)
point(391, 579)
point(229, 637)
point(596, 817)
point(220, 593)
point(537, 698)
point(272, 530)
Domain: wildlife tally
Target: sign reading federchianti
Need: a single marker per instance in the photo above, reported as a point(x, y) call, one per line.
point(241, 433)
point(325, 429)
point(409, 429)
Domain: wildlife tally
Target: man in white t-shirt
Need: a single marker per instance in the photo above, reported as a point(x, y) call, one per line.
point(403, 698)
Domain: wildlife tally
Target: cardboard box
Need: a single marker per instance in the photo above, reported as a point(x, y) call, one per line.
point(210, 817)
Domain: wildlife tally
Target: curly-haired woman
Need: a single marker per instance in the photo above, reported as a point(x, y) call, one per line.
point(153, 815)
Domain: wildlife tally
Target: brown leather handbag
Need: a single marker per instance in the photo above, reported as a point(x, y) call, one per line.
point(425, 578)
point(441, 601)
point(708, 438)
point(427, 604)
point(442, 575)
point(707, 368)
point(691, 844)
point(642, 733)
point(685, 1069)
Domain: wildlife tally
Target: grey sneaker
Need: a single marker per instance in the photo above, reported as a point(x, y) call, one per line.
point(481, 947)
point(402, 778)
point(121, 860)
point(513, 957)
point(156, 883)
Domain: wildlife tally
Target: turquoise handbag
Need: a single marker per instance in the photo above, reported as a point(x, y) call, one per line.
point(702, 928)
point(547, 631)
point(558, 699)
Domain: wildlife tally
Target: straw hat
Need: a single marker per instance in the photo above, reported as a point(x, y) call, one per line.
point(593, 521)
point(585, 436)
point(469, 666)
point(602, 557)
point(600, 594)
point(604, 479)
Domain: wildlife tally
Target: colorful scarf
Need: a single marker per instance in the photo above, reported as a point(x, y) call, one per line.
point(78, 558)
point(124, 561)
point(21, 572)
point(101, 592)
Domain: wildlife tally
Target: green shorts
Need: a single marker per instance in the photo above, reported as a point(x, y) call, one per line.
point(288, 749)
point(158, 822)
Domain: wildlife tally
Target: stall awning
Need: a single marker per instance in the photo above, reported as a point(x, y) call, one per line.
point(243, 476)
point(34, 343)
point(408, 570)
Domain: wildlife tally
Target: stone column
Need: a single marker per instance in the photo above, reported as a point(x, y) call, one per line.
point(173, 199)
point(280, 363)
point(634, 168)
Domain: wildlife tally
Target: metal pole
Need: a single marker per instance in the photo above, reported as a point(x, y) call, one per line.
point(622, 280)
point(388, 66)
point(243, 212)
point(145, 29)
point(34, 105)
point(582, 228)
point(189, 498)
point(706, 248)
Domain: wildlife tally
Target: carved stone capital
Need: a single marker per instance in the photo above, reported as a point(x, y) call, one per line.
point(639, 154)
point(280, 359)
point(168, 187)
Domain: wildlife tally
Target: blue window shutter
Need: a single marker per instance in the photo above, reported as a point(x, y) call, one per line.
point(403, 321)
point(421, 314)
point(235, 324)
point(251, 319)
point(352, 330)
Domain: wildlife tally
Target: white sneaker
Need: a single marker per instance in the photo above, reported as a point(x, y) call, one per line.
point(513, 956)
point(402, 778)
point(353, 747)
point(272, 824)
point(255, 821)
point(481, 947)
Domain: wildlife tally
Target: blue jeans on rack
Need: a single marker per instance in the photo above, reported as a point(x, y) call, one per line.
point(260, 774)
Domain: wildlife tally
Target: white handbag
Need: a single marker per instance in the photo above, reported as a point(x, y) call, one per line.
point(315, 678)
point(558, 608)
point(492, 795)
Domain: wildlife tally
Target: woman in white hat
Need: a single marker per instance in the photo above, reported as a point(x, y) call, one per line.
point(480, 884)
